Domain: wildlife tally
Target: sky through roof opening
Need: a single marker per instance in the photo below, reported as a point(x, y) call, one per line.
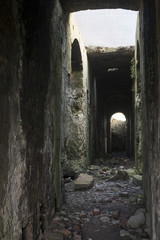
point(107, 27)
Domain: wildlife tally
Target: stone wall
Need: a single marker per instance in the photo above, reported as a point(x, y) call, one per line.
point(76, 135)
point(149, 73)
point(92, 116)
point(31, 116)
point(12, 140)
point(42, 110)
point(137, 103)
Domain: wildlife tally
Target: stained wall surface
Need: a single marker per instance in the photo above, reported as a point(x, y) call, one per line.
point(76, 121)
point(149, 73)
point(34, 70)
point(30, 116)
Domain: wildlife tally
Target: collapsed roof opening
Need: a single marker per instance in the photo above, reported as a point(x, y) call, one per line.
point(107, 27)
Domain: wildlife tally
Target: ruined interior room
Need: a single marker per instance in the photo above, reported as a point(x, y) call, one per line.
point(58, 96)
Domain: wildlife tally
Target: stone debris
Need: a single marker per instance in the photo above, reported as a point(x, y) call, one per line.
point(140, 210)
point(83, 182)
point(124, 233)
point(113, 161)
point(96, 212)
point(131, 171)
point(124, 194)
point(115, 222)
point(54, 236)
point(121, 175)
point(123, 223)
point(77, 237)
point(105, 219)
point(137, 180)
point(136, 221)
point(116, 214)
point(104, 204)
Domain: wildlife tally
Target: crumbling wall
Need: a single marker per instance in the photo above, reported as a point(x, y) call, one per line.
point(149, 73)
point(135, 71)
point(76, 137)
point(30, 116)
point(92, 115)
point(12, 140)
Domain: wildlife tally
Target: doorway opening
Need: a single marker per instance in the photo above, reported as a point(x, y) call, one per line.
point(118, 133)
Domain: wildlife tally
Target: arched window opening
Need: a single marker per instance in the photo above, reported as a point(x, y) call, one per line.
point(76, 64)
point(118, 132)
point(76, 104)
point(76, 58)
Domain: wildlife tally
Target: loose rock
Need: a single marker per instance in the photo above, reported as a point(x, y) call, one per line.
point(124, 194)
point(105, 219)
point(84, 181)
point(124, 233)
point(116, 214)
point(137, 180)
point(96, 212)
point(136, 221)
point(123, 223)
point(121, 175)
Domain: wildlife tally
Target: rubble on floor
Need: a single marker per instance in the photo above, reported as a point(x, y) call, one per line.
point(107, 208)
point(83, 182)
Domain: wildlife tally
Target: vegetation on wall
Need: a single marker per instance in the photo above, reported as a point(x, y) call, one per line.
point(132, 68)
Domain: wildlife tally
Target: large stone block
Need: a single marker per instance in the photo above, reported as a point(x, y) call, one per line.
point(84, 181)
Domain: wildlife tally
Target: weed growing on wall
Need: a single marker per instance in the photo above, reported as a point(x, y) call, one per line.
point(133, 73)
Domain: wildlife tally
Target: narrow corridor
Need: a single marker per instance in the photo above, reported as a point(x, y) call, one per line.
point(104, 211)
point(57, 96)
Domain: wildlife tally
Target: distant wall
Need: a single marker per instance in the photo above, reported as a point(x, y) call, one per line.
point(118, 135)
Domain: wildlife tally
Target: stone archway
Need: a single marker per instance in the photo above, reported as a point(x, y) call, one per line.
point(118, 132)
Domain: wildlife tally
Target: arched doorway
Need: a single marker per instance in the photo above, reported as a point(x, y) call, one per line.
point(118, 133)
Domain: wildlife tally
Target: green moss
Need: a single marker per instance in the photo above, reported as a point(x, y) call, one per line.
point(132, 68)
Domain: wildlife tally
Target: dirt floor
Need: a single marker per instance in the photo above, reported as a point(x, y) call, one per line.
point(103, 211)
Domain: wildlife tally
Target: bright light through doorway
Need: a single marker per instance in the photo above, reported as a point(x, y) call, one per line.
point(119, 116)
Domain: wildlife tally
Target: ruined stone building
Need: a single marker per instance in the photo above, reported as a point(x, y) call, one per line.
point(55, 106)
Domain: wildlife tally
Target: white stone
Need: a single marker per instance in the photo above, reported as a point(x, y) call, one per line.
point(124, 233)
point(140, 210)
point(136, 221)
point(105, 219)
point(83, 182)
